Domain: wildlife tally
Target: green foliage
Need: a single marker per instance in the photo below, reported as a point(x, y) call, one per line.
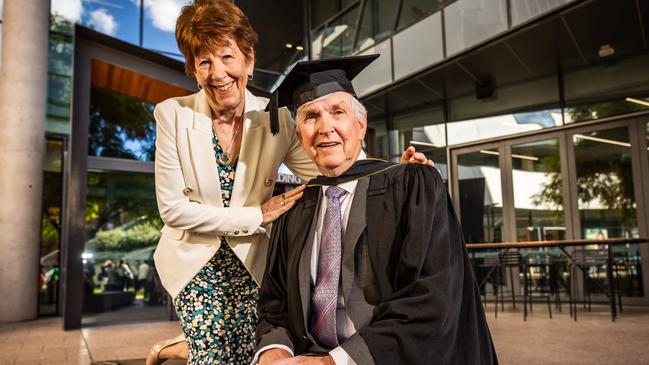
point(117, 118)
point(602, 110)
point(125, 239)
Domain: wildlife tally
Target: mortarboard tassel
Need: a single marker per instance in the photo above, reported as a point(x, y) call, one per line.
point(274, 114)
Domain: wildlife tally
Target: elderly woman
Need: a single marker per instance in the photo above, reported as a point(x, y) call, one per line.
point(215, 167)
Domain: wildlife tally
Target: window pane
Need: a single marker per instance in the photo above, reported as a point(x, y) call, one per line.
point(378, 73)
point(418, 46)
point(480, 196)
point(468, 22)
point(517, 108)
point(600, 91)
point(316, 44)
point(501, 125)
point(523, 10)
point(425, 130)
point(376, 138)
point(338, 36)
point(605, 184)
point(589, 111)
point(121, 111)
point(377, 22)
point(321, 10)
point(538, 195)
point(122, 225)
point(50, 269)
point(59, 82)
point(415, 10)
point(120, 126)
point(606, 200)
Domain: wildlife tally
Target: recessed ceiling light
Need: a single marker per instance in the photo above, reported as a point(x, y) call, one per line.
point(288, 45)
point(606, 50)
point(637, 101)
point(299, 48)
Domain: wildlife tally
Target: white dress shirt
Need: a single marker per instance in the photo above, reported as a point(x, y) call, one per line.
point(344, 326)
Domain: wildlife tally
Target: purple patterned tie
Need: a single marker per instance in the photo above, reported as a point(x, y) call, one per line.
point(324, 298)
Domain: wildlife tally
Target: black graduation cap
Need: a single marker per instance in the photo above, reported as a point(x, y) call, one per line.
point(309, 80)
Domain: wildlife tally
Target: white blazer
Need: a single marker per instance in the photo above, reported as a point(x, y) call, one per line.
point(189, 193)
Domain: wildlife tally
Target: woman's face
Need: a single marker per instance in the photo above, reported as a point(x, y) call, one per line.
point(223, 74)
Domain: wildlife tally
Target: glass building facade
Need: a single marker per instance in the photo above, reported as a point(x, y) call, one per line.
point(534, 114)
point(537, 118)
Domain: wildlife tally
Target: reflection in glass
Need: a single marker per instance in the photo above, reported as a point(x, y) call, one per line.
point(322, 10)
point(50, 270)
point(480, 196)
point(376, 138)
point(419, 46)
point(414, 10)
point(606, 200)
point(116, 18)
point(605, 184)
point(502, 125)
point(538, 195)
point(59, 82)
point(158, 35)
point(523, 10)
point(468, 22)
point(316, 44)
point(426, 131)
point(122, 230)
point(377, 22)
point(338, 36)
point(120, 126)
point(378, 73)
point(591, 111)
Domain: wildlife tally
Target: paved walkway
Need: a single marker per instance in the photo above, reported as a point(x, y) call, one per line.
point(592, 340)
point(44, 342)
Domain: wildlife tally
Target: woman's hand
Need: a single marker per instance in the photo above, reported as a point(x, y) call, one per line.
point(279, 204)
point(410, 155)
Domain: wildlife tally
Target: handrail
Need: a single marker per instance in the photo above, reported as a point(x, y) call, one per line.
point(557, 243)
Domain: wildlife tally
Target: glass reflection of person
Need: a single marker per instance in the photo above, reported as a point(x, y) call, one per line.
point(217, 155)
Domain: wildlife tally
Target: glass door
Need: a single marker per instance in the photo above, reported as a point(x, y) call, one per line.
point(49, 283)
point(606, 194)
point(538, 188)
point(478, 193)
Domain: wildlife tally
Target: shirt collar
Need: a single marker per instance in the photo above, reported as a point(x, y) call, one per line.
point(350, 186)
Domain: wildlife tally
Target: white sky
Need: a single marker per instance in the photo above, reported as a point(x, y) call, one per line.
point(102, 21)
point(163, 13)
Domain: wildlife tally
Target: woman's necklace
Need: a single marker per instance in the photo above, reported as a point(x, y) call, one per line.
point(225, 158)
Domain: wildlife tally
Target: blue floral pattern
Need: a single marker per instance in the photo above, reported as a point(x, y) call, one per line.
point(218, 308)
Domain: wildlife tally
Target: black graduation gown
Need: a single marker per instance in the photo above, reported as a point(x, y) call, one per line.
point(428, 310)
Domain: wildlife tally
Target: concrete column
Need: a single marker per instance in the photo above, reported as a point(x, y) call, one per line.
point(23, 89)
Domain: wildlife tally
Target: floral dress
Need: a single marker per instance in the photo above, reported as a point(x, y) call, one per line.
point(218, 308)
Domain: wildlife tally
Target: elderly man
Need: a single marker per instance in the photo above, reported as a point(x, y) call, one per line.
point(369, 266)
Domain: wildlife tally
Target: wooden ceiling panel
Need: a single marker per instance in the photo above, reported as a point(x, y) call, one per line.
point(133, 84)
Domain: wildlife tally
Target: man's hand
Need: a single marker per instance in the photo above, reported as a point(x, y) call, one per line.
point(271, 356)
point(410, 155)
point(306, 360)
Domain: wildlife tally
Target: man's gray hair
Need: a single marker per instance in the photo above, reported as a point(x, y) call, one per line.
point(357, 106)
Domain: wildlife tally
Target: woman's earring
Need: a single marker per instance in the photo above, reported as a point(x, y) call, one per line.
point(250, 77)
point(199, 86)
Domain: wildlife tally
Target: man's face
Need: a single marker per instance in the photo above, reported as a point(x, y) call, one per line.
point(331, 133)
